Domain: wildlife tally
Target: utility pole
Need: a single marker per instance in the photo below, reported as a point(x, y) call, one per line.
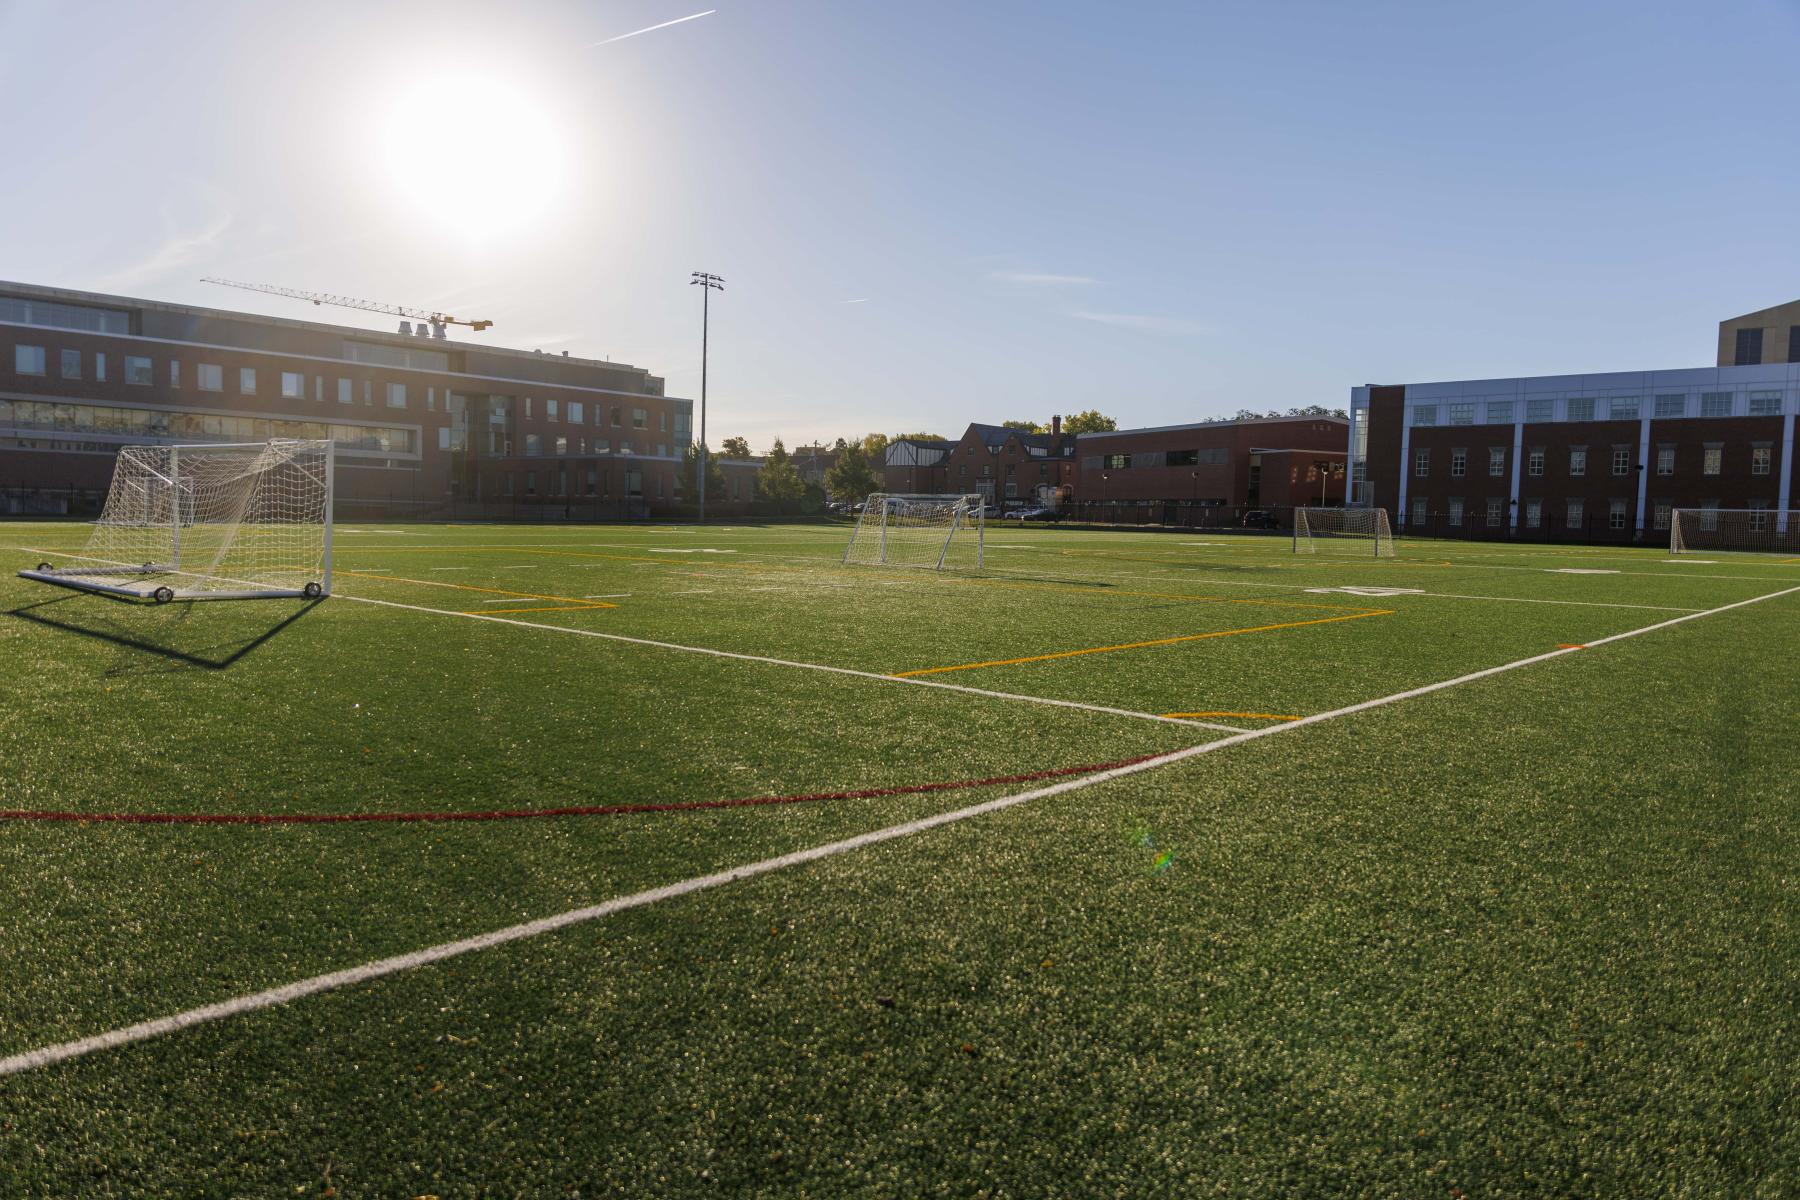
point(707, 283)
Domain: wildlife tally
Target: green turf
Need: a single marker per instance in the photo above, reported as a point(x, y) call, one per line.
point(1534, 935)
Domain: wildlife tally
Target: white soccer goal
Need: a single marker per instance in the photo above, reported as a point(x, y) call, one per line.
point(919, 531)
point(1765, 530)
point(222, 522)
point(1368, 526)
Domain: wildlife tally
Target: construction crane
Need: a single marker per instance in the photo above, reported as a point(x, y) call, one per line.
point(436, 320)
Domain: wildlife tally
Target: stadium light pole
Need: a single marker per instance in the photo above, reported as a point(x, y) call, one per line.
point(707, 284)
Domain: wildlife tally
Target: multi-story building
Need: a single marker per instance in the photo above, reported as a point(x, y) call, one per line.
point(1010, 467)
point(423, 426)
point(1272, 463)
point(1768, 335)
point(1594, 457)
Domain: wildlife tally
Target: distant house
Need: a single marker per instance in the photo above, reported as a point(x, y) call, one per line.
point(1009, 467)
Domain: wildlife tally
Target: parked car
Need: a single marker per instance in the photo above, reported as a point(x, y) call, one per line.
point(986, 512)
point(1260, 518)
point(1037, 513)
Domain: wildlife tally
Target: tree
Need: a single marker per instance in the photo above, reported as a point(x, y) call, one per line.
point(874, 447)
point(684, 477)
point(851, 478)
point(1023, 426)
point(1091, 421)
point(779, 483)
point(735, 447)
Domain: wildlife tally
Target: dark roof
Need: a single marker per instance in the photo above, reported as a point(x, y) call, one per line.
point(996, 436)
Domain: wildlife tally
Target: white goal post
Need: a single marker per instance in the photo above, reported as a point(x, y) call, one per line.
point(210, 522)
point(1352, 525)
point(1757, 530)
point(919, 531)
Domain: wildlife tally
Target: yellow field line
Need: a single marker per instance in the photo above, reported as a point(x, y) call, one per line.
point(570, 601)
point(1168, 641)
point(1262, 716)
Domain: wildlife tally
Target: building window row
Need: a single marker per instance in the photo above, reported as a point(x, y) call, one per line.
point(1766, 403)
point(49, 416)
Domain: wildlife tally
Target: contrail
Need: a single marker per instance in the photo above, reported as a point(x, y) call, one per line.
point(652, 29)
point(864, 300)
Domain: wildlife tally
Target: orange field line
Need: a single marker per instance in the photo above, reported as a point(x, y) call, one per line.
point(1262, 716)
point(570, 601)
point(1168, 641)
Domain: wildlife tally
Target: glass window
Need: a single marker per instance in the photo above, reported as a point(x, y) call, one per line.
point(551, 408)
point(209, 377)
point(1581, 410)
point(562, 444)
point(1615, 515)
point(1456, 511)
point(1459, 462)
point(1462, 414)
point(531, 483)
point(430, 399)
point(1577, 514)
point(1578, 461)
point(1759, 517)
point(1623, 408)
point(663, 426)
point(1621, 460)
point(1418, 510)
point(662, 451)
point(1494, 512)
point(1422, 463)
point(1540, 410)
point(318, 389)
point(534, 445)
point(174, 372)
point(1534, 514)
point(1709, 516)
point(602, 446)
point(1749, 347)
point(1765, 404)
point(1534, 461)
point(640, 419)
point(293, 385)
point(396, 395)
point(345, 395)
point(528, 407)
point(1671, 405)
point(368, 393)
point(1117, 462)
point(1665, 460)
point(1661, 518)
point(1711, 458)
point(444, 437)
point(576, 413)
point(28, 360)
point(137, 370)
point(1499, 412)
point(615, 415)
point(247, 380)
point(1715, 404)
point(71, 364)
point(1759, 460)
point(1425, 414)
point(1496, 460)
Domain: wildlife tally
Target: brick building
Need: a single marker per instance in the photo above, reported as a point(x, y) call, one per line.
point(1267, 463)
point(1010, 467)
point(423, 426)
point(1586, 457)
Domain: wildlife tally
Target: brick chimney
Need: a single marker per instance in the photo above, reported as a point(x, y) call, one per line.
point(1056, 425)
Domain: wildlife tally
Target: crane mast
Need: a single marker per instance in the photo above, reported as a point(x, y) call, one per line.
point(436, 320)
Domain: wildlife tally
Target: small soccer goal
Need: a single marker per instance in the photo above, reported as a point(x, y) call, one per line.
point(219, 522)
point(1362, 531)
point(1756, 530)
point(919, 531)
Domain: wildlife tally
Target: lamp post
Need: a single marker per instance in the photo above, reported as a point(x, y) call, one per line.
point(707, 284)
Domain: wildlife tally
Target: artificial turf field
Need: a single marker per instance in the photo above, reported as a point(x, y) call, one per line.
point(1533, 933)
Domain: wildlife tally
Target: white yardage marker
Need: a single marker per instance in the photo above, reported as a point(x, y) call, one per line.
point(64, 1051)
point(1579, 571)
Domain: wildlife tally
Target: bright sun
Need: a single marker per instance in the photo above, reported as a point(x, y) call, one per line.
point(474, 156)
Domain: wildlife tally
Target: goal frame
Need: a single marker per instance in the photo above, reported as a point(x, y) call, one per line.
point(1781, 533)
point(83, 578)
point(1381, 539)
point(961, 505)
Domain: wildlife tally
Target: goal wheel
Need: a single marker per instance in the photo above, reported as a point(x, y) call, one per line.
point(44, 567)
point(312, 591)
point(163, 595)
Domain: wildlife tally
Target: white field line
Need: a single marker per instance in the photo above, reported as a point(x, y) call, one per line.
point(63, 1051)
point(788, 662)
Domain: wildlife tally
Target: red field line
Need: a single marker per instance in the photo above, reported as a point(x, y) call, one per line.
point(516, 814)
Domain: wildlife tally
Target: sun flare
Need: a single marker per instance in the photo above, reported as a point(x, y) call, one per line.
point(476, 156)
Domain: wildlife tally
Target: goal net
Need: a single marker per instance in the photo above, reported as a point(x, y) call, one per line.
point(1767, 530)
point(1362, 530)
point(918, 531)
point(230, 522)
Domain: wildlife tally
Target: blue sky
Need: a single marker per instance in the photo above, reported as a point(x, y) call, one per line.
point(930, 213)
